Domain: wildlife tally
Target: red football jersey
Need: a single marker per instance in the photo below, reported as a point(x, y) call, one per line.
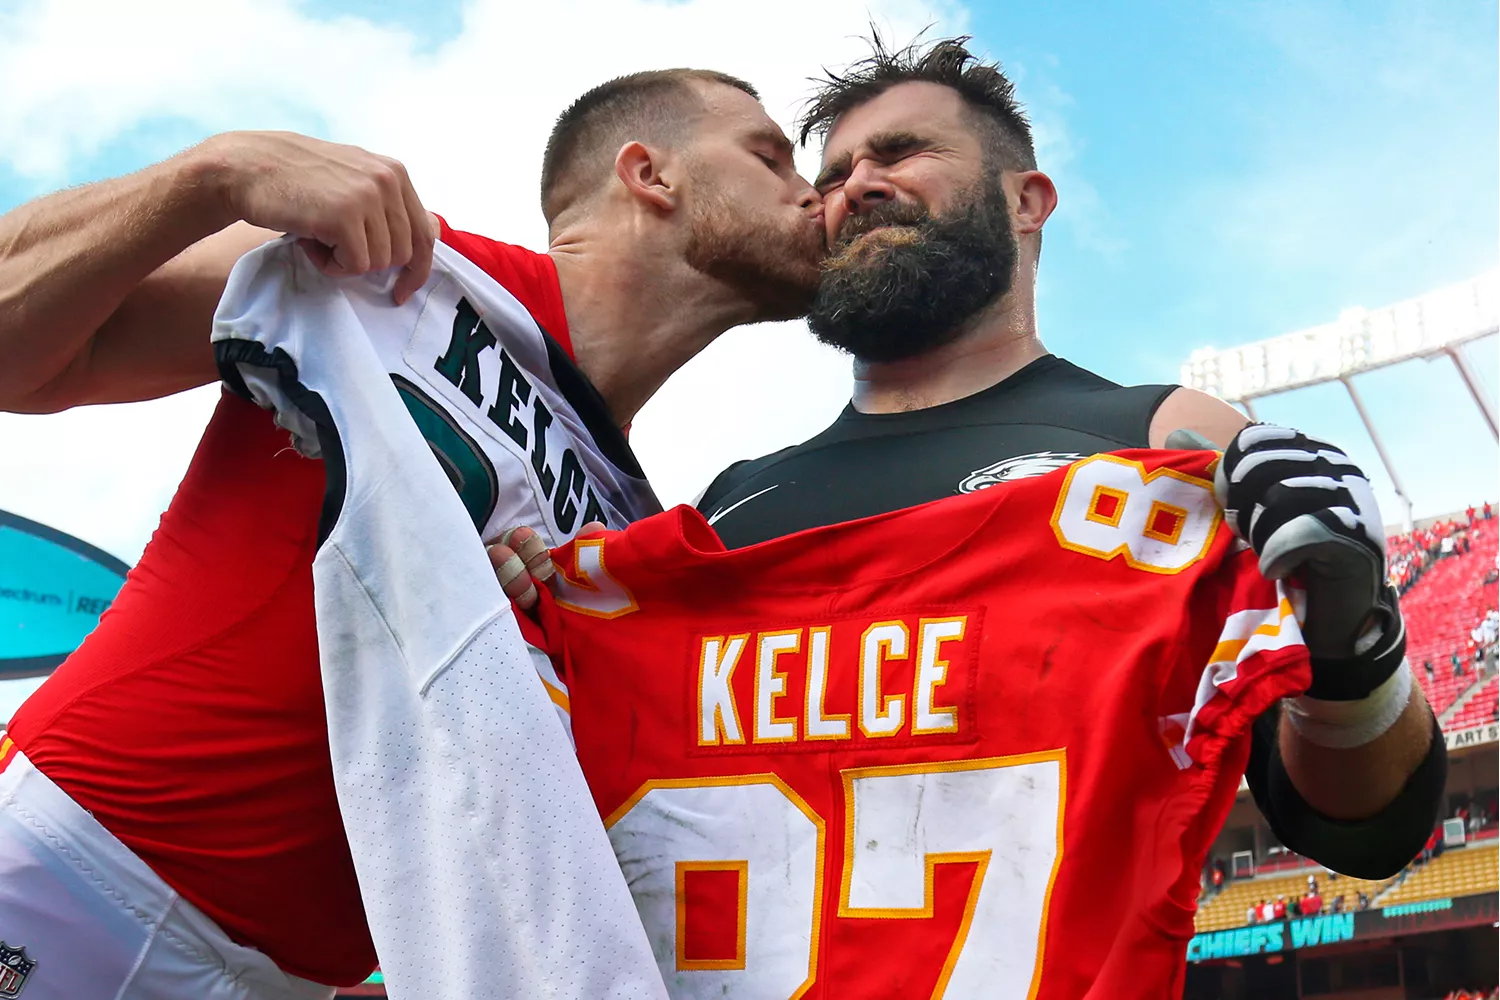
point(977, 748)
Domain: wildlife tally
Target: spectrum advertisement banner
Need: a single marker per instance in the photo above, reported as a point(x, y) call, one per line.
point(53, 588)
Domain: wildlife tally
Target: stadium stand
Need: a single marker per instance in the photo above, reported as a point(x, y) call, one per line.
point(1480, 708)
point(1444, 603)
point(1459, 871)
point(1227, 909)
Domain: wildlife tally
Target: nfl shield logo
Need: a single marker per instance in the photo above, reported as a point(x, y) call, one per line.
point(15, 968)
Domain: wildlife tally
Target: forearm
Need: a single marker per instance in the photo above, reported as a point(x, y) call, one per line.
point(1357, 783)
point(68, 261)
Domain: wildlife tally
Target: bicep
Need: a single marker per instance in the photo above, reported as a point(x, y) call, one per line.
point(157, 341)
point(1189, 409)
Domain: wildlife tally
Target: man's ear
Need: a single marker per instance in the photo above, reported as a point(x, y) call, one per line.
point(1033, 196)
point(639, 168)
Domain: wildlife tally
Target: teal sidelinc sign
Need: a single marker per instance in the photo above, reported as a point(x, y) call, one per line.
point(53, 588)
point(1283, 935)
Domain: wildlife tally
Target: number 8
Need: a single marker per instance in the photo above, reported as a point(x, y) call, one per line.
point(1160, 522)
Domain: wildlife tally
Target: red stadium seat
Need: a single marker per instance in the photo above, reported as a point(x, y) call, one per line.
point(1441, 610)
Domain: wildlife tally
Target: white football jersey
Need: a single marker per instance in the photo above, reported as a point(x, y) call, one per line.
point(482, 862)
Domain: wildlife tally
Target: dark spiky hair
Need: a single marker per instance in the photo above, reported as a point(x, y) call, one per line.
point(987, 92)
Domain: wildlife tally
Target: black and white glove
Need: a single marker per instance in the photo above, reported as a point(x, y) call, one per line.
point(1304, 506)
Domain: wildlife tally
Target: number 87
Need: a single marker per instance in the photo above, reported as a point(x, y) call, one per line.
point(1002, 813)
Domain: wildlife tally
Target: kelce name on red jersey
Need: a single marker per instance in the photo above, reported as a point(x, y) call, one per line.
point(816, 792)
point(860, 679)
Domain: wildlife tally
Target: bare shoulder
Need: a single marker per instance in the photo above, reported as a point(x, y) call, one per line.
point(1189, 409)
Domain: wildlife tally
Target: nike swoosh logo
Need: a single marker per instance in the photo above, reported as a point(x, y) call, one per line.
point(725, 510)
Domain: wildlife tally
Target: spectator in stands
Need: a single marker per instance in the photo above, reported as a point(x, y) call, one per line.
point(1267, 912)
point(1470, 513)
point(1217, 877)
point(1310, 905)
point(1458, 664)
point(1312, 884)
point(1364, 900)
point(1489, 511)
point(1427, 666)
point(1278, 911)
point(1338, 905)
point(1252, 914)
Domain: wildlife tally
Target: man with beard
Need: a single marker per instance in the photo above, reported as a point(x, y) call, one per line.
point(934, 210)
point(168, 820)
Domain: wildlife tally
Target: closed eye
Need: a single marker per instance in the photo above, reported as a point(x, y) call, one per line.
point(829, 182)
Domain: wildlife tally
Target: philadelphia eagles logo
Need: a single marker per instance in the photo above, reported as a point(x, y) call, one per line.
point(1021, 467)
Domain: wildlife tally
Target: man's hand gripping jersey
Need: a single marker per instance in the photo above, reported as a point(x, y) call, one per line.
point(972, 749)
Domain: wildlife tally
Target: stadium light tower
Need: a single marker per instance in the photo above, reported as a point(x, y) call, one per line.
point(1360, 340)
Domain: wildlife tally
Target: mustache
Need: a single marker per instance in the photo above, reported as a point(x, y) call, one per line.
point(893, 213)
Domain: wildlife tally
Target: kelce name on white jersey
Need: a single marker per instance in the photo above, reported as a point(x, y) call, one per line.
point(517, 410)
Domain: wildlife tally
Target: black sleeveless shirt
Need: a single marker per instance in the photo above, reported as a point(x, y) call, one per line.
point(1047, 415)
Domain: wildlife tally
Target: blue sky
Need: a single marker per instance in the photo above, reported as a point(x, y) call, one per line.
point(1253, 169)
point(1228, 172)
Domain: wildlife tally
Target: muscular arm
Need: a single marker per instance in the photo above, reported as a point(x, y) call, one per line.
point(1344, 785)
point(107, 291)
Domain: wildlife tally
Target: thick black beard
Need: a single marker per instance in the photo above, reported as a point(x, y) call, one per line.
point(905, 298)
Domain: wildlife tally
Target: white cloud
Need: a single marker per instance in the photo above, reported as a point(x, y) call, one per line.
point(469, 119)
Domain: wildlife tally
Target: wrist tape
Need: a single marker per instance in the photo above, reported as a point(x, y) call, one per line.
point(1343, 725)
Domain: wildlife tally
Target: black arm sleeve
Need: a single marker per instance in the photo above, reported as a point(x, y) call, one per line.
point(1373, 848)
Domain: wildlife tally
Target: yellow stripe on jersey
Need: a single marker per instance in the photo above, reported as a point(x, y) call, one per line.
point(559, 696)
point(1229, 649)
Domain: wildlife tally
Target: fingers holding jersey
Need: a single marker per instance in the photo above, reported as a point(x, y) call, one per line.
point(515, 579)
point(533, 552)
point(522, 560)
point(424, 233)
point(353, 210)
